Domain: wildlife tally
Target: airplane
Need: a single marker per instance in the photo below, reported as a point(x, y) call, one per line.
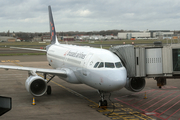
point(98, 68)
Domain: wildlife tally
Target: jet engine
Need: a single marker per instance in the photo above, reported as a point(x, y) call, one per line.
point(135, 84)
point(36, 85)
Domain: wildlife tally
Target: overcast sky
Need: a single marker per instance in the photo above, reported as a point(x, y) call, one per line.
point(89, 15)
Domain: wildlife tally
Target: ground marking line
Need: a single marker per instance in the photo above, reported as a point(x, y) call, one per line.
point(166, 103)
point(161, 100)
point(76, 93)
point(169, 108)
point(133, 107)
point(139, 93)
point(153, 99)
point(172, 114)
point(146, 93)
point(156, 114)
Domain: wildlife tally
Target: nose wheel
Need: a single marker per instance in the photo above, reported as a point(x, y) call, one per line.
point(102, 102)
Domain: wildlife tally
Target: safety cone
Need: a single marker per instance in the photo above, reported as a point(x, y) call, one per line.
point(145, 96)
point(33, 103)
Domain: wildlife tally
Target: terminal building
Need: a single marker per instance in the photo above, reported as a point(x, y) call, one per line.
point(149, 34)
point(7, 39)
point(47, 38)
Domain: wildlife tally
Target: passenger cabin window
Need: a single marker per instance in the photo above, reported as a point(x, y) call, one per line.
point(118, 64)
point(109, 65)
point(101, 65)
point(95, 66)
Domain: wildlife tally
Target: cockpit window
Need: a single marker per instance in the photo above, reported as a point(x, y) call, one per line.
point(96, 64)
point(118, 64)
point(109, 65)
point(101, 65)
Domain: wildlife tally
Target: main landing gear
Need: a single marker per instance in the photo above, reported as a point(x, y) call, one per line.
point(48, 87)
point(102, 102)
point(48, 90)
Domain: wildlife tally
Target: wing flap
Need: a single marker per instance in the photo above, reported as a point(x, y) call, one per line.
point(37, 70)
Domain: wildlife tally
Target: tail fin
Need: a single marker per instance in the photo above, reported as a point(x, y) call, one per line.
point(54, 39)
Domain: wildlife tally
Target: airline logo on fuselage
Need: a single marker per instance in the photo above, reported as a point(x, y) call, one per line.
point(80, 55)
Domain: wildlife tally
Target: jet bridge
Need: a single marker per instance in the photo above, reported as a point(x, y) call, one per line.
point(156, 61)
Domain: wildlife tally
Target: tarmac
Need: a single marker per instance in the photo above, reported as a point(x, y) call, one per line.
point(79, 101)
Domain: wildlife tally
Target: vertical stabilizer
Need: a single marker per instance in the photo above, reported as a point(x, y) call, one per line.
point(54, 39)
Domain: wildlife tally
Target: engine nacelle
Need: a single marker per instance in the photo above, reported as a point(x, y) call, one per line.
point(135, 84)
point(71, 78)
point(36, 85)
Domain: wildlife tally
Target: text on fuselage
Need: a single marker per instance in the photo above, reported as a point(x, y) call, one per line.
point(80, 55)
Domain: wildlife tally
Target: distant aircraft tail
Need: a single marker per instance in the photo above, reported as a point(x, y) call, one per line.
point(54, 39)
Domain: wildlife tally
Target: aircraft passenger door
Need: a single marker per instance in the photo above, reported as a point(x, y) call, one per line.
point(85, 64)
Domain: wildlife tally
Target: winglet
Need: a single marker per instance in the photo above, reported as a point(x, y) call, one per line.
point(54, 39)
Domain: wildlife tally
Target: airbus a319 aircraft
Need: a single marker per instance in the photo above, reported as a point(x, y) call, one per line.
point(95, 67)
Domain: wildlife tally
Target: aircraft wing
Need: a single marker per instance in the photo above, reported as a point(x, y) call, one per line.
point(36, 70)
point(29, 49)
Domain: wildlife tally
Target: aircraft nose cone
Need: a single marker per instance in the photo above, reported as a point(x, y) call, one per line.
point(118, 79)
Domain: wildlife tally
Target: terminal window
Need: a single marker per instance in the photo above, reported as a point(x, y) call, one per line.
point(176, 59)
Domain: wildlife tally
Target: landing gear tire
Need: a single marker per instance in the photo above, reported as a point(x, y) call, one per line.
point(48, 90)
point(105, 103)
point(102, 103)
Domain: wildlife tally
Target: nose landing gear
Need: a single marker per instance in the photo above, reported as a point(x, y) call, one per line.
point(102, 102)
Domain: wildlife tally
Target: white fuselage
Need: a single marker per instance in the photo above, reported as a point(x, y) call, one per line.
point(98, 68)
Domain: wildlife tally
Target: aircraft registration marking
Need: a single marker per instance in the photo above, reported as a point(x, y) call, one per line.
point(12, 61)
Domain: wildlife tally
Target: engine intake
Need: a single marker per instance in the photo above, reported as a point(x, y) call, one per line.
point(36, 85)
point(135, 84)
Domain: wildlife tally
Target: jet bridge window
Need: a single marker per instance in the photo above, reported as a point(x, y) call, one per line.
point(176, 59)
point(109, 65)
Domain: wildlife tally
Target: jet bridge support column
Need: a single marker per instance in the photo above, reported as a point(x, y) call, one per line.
point(160, 81)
